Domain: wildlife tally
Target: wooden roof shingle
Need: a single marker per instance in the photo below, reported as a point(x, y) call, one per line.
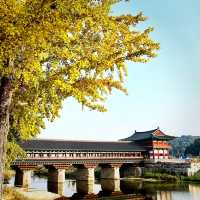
point(147, 135)
point(65, 145)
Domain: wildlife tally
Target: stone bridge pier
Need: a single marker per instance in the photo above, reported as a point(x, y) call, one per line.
point(85, 172)
point(85, 187)
point(131, 170)
point(110, 171)
point(112, 185)
point(23, 175)
point(56, 178)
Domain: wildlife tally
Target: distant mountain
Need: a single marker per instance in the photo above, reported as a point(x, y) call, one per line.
point(180, 144)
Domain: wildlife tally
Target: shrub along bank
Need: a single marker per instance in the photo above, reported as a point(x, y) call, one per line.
point(171, 178)
point(161, 176)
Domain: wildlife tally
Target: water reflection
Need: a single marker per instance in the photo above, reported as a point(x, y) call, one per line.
point(164, 195)
point(131, 186)
point(138, 188)
point(123, 189)
point(195, 191)
point(85, 187)
point(109, 189)
point(110, 185)
point(57, 188)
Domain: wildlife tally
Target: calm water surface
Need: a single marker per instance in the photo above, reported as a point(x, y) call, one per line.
point(123, 189)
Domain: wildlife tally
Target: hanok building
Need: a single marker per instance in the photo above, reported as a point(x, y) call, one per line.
point(154, 141)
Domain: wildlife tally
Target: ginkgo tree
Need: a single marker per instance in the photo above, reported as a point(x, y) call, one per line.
point(54, 49)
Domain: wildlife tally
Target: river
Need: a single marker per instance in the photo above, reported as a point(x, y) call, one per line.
point(123, 189)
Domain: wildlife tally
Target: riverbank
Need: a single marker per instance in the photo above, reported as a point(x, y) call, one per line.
point(10, 193)
point(171, 178)
point(37, 194)
point(13, 193)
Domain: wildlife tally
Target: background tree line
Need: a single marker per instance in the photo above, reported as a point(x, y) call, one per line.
point(184, 145)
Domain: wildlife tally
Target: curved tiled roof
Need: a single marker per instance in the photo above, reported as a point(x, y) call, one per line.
point(79, 145)
point(152, 134)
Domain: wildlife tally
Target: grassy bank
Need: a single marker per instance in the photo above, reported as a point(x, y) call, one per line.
point(11, 194)
point(161, 176)
point(195, 178)
point(171, 178)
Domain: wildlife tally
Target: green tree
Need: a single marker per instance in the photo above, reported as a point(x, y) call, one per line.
point(194, 148)
point(180, 144)
point(54, 49)
point(13, 151)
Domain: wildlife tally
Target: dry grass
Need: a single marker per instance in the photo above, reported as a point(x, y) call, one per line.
point(11, 194)
point(8, 175)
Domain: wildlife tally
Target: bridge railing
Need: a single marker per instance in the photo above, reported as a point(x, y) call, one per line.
point(89, 155)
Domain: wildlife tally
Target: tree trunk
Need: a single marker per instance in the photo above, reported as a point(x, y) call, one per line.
point(5, 101)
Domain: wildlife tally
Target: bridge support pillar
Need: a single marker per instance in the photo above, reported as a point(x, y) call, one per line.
point(110, 171)
point(23, 176)
point(110, 185)
point(56, 178)
point(85, 187)
point(132, 171)
point(85, 172)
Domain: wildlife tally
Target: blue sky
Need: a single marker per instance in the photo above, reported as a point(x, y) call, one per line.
point(165, 92)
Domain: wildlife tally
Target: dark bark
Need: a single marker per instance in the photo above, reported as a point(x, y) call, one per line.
point(5, 101)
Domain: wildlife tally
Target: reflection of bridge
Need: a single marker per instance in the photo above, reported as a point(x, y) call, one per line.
point(109, 188)
point(129, 189)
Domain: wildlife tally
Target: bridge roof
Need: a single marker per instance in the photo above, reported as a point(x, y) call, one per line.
point(156, 134)
point(65, 145)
